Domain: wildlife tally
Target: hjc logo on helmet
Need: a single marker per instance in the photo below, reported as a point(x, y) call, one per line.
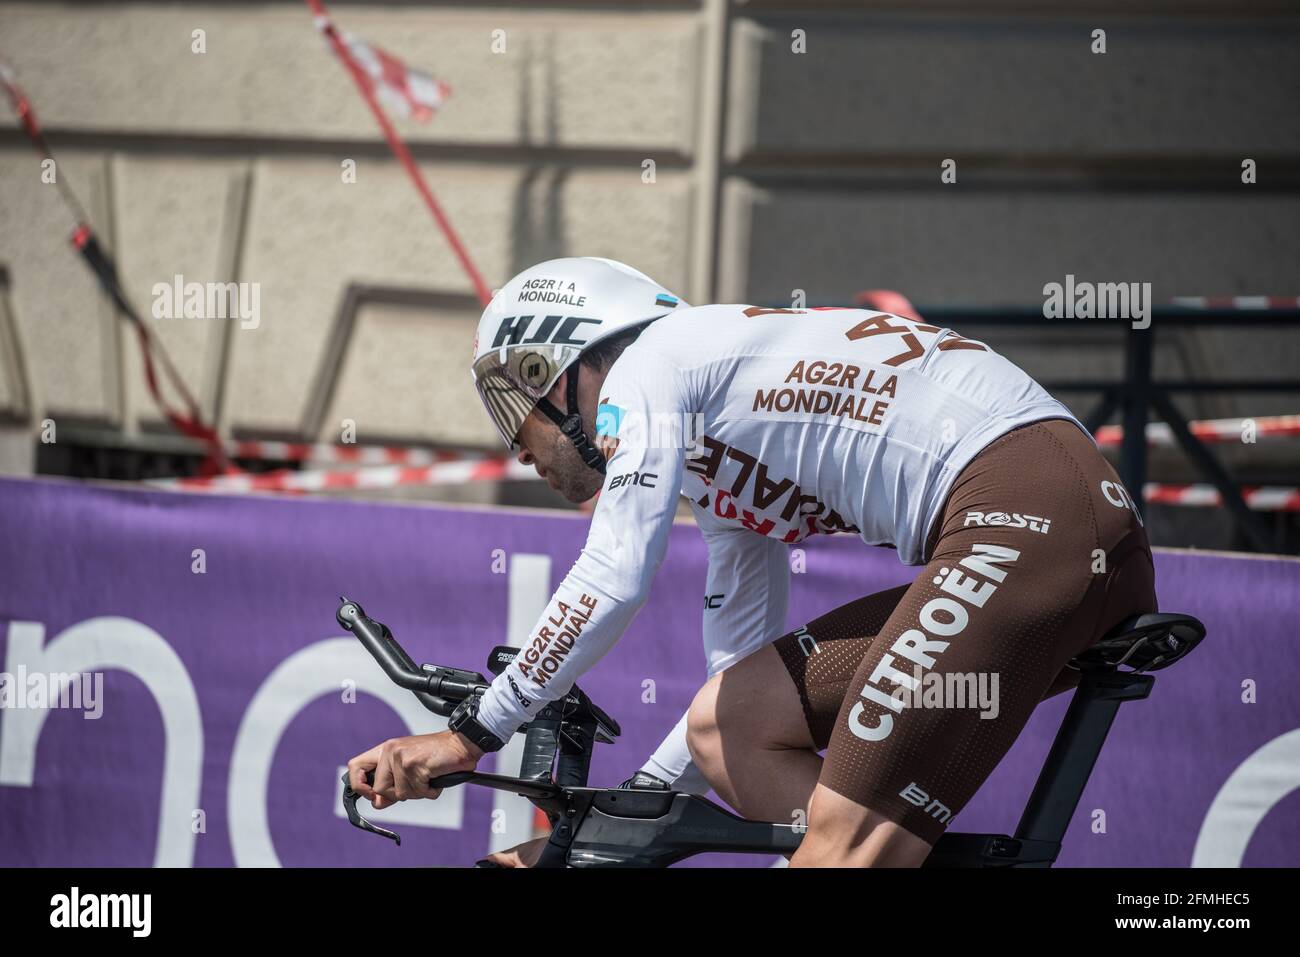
point(552, 330)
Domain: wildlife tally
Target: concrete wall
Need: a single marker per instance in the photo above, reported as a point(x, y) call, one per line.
point(775, 171)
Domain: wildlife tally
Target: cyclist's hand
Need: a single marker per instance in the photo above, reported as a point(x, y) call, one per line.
point(403, 766)
point(521, 855)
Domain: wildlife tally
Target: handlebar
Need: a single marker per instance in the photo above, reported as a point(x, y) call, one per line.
point(558, 739)
point(438, 689)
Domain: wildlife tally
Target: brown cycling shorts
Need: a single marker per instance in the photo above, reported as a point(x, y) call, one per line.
point(917, 692)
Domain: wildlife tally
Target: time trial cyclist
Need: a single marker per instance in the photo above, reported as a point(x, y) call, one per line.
point(777, 425)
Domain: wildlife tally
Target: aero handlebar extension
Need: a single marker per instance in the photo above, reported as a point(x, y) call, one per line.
point(438, 689)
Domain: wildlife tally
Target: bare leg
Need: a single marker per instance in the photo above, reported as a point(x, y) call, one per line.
point(844, 834)
point(747, 734)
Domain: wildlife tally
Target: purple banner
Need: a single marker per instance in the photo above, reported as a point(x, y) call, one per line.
point(228, 699)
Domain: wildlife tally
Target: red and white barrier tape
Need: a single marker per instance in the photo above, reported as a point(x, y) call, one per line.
point(372, 477)
point(1158, 433)
point(326, 454)
point(368, 89)
point(185, 417)
point(1263, 498)
point(1209, 430)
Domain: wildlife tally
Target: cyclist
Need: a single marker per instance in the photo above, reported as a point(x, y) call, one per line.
point(776, 425)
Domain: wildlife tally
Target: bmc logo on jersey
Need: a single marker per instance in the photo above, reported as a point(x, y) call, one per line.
point(643, 479)
point(1007, 520)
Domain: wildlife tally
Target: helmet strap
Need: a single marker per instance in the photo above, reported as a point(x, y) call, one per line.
point(570, 423)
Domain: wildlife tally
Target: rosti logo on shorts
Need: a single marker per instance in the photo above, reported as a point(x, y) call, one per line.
point(1007, 520)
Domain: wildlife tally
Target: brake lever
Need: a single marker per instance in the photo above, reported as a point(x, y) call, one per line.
point(350, 798)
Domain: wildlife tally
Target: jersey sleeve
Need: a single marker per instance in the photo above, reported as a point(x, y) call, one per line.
point(641, 398)
point(747, 591)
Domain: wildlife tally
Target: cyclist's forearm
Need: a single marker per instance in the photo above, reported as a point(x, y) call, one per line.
point(579, 626)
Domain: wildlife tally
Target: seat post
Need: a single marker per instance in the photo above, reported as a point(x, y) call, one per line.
point(1075, 749)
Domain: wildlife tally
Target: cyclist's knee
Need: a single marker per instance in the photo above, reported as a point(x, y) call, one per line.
point(754, 703)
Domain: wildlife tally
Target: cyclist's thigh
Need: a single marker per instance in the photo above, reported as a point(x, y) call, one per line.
point(974, 643)
point(822, 656)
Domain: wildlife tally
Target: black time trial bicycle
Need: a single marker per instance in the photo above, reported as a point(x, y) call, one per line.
point(631, 826)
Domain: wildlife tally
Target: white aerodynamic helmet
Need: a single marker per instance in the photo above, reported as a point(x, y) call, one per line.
point(538, 324)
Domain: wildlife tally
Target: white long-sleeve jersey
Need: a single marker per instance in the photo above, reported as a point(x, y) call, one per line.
point(776, 425)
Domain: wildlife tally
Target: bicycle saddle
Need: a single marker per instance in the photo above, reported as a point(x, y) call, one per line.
point(1145, 642)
